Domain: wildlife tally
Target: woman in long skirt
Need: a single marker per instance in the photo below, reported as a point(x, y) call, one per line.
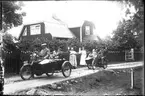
point(83, 56)
point(72, 58)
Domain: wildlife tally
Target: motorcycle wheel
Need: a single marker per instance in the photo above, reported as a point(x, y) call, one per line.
point(66, 69)
point(26, 72)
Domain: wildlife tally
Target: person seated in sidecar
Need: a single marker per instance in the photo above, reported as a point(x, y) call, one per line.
point(95, 56)
point(91, 55)
point(56, 54)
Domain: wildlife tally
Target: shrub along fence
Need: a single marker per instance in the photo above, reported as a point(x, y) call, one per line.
point(13, 65)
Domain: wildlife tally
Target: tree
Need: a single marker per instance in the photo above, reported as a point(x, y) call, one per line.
point(10, 15)
point(75, 43)
point(130, 33)
point(8, 39)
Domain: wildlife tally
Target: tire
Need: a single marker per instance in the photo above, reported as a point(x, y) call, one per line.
point(50, 74)
point(24, 70)
point(66, 66)
point(89, 66)
point(93, 66)
point(89, 63)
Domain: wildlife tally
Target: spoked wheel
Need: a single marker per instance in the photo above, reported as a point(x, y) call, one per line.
point(66, 69)
point(89, 66)
point(89, 63)
point(93, 66)
point(50, 74)
point(26, 72)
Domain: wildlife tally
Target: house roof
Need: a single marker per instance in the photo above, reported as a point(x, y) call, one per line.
point(58, 30)
point(81, 24)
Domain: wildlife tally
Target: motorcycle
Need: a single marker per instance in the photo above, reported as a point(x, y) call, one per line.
point(37, 66)
point(102, 62)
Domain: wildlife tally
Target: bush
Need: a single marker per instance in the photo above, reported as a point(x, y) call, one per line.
point(29, 45)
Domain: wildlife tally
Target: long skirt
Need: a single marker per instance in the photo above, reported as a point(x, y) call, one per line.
point(73, 60)
point(83, 58)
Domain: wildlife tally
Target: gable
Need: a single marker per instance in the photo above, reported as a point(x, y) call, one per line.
point(75, 31)
point(55, 29)
point(58, 30)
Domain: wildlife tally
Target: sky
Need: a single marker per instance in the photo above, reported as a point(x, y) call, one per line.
point(104, 14)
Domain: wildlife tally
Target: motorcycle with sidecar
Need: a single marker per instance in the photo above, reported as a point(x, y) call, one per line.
point(102, 62)
point(38, 67)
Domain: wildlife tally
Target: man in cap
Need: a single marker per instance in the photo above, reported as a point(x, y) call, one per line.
point(45, 52)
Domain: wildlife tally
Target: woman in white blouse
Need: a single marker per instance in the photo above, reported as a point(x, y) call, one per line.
point(72, 58)
point(83, 56)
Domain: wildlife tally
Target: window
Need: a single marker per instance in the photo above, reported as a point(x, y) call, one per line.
point(25, 32)
point(35, 29)
point(87, 30)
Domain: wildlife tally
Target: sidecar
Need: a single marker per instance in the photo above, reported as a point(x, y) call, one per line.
point(89, 62)
point(102, 62)
point(49, 67)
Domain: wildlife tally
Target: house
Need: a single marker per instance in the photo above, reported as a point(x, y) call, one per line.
point(85, 31)
point(49, 30)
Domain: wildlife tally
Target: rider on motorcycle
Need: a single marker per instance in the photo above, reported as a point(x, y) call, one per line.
point(96, 57)
point(45, 52)
point(101, 54)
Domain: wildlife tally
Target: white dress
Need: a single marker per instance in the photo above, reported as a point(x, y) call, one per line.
point(83, 57)
point(73, 59)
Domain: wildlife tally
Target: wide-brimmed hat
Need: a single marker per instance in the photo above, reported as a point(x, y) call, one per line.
point(44, 44)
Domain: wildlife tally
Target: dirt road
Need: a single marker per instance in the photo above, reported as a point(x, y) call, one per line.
point(43, 80)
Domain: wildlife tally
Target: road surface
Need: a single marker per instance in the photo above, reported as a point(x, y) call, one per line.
point(44, 80)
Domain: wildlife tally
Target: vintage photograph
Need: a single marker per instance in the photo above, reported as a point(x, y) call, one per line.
point(70, 47)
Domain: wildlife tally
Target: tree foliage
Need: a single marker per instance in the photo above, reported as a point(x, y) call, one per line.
point(10, 15)
point(130, 33)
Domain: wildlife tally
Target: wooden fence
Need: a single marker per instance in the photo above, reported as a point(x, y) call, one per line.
point(14, 64)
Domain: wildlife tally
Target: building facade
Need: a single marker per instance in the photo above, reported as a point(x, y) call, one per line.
point(85, 31)
point(60, 31)
point(47, 30)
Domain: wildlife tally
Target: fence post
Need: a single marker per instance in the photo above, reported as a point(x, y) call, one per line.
point(132, 71)
point(129, 55)
point(132, 78)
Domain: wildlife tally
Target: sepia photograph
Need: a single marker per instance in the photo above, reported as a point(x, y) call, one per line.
point(69, 47)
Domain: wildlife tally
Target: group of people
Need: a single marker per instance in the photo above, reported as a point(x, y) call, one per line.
point(73, 57)
point(45, 52)
point(96, 54)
